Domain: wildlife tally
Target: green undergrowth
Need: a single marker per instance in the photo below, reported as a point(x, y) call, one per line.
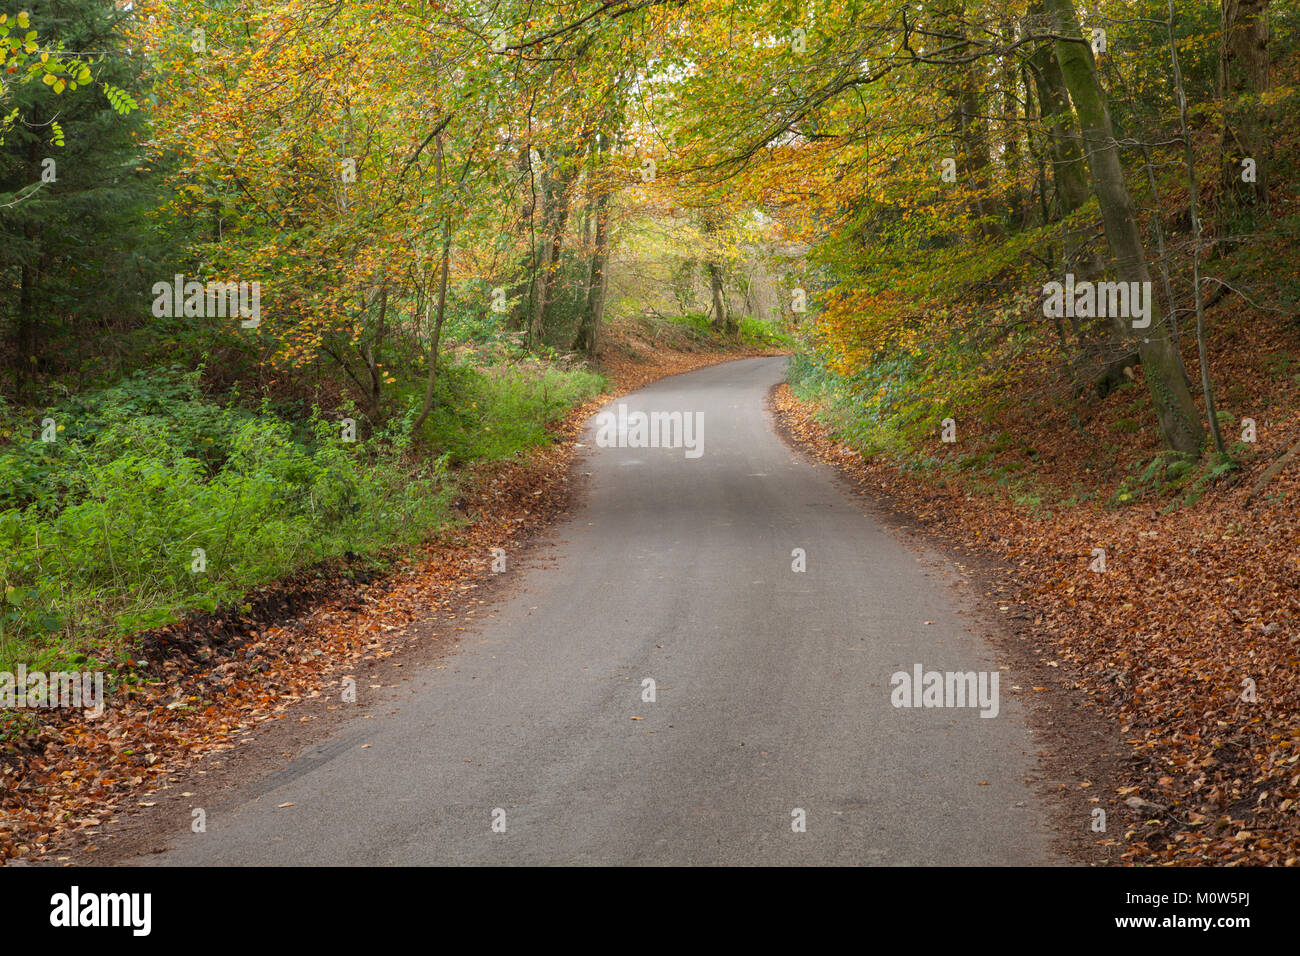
point(892, 409)
point(897, 405)
point(750, 332)
point(149, 500)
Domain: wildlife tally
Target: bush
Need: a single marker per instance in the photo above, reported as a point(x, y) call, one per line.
point(154, 502)
point(759, 334)
point(491, 414)
point(150, 474)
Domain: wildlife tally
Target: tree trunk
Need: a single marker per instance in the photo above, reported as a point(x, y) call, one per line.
point(372, 351)
point(1012, 155)
point(721, 318)
point(1193, 191)
point(588, 337)
point(972, 133)
point(521, 290)
point(1063, 145)
point(719, 302)
point(26, 336)
point(1180, 422)
point(974, 138)
point(436, 334)
point(555, 219)
point(1243, 75)
point(25, 327)
point(1101, 360)
point(1038, 150)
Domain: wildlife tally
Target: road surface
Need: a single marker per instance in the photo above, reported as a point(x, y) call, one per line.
point(772, 691)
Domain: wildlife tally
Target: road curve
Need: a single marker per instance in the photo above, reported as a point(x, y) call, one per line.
point(772, 691)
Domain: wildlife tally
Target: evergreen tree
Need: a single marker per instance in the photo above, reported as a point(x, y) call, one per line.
point(72, 194)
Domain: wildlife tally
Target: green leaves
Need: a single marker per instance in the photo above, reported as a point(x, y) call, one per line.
point(97, 531)
point(118, 98)
point(23, 55)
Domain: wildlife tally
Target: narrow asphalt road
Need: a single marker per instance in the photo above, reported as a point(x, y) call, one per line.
point(772, 687)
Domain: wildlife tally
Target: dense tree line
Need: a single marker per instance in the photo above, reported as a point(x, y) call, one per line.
point(378, 168)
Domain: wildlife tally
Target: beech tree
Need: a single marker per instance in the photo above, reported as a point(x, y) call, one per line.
point(1180, 421)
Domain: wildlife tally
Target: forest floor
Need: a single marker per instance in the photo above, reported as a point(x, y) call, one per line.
point(1189, 639)
point(212, 682)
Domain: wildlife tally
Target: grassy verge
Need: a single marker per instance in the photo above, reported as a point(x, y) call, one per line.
point(147, 501)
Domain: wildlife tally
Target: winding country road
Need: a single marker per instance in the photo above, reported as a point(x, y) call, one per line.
point(772, 691)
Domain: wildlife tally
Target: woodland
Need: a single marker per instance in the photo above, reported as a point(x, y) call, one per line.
point(1034, 262)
